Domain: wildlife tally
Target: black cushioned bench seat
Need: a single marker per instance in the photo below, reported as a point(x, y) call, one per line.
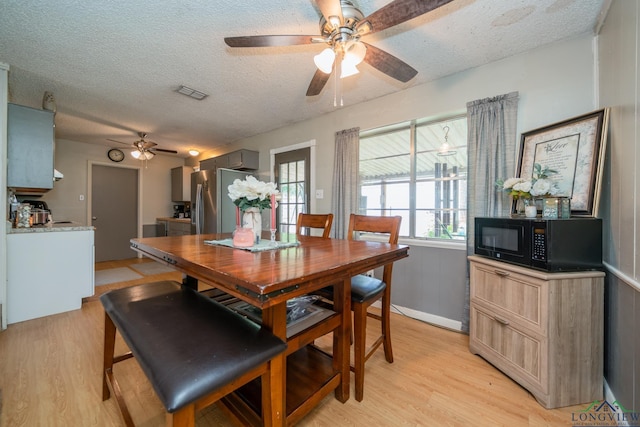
point(187, 344)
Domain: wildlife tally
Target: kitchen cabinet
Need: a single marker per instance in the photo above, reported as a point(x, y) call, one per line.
point(239, 160)
point(30, 148)
point(173, 226)
point(544, 330)
point(49, 271)
point(178, 228)
point(161, 228)
point(181, 184)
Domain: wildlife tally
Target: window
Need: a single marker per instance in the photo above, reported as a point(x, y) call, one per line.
point(417, 170)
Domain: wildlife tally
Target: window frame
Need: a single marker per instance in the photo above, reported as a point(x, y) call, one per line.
point(413, 180)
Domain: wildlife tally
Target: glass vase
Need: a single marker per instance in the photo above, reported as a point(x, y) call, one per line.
point(530, 209)
point(252, 218)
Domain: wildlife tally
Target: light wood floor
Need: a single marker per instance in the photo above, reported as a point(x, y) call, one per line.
point(50, 376)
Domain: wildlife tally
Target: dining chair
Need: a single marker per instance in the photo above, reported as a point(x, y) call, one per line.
point(306, 222)
point(367, 290)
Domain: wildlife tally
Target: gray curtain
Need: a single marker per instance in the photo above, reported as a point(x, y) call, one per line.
point(344, 200)
point(492, 146)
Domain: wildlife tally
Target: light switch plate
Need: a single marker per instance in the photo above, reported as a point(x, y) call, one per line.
point(319, 194)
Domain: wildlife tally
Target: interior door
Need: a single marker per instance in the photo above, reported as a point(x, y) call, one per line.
point(293, 177)
point(114, 211)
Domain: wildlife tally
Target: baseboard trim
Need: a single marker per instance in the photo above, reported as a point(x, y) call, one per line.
point(443, 322)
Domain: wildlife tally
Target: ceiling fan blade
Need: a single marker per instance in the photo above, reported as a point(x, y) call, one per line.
point(330, 8)
point(389, 64)
point(163, 150)
point(318, 82)
point(269, 41)
point(397, 12)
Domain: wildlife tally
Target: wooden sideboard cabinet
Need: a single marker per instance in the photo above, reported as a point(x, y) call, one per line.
point(544, 330)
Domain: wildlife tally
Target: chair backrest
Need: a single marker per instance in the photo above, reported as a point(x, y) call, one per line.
point(309, 221)
point(377, 224)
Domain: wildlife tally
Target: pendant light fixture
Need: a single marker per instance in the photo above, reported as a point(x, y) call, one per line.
point(445, 149)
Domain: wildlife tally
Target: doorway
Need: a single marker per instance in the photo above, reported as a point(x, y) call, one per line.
point(114, 211)
point(292, 173)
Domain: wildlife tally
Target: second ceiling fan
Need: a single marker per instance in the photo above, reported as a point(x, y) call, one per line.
point(143, 148)
point(342, 25)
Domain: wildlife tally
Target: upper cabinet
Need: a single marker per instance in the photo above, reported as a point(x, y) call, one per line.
point(181, 184)
point(30, 148)
point(239, 160)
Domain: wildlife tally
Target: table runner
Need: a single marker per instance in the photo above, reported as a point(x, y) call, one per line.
point(264, 245)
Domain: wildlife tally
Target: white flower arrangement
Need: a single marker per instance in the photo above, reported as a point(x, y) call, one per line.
point(538, 186)
point(251, 193)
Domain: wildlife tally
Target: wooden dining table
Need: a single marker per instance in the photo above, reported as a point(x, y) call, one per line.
point(303, 376)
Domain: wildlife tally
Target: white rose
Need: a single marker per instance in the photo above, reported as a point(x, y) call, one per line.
point(509, 183)
point(541, 187)
point(524, 186)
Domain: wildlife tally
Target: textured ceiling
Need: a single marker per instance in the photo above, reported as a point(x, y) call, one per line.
point(114, 66)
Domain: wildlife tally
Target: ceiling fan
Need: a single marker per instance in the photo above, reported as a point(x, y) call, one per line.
point(144, 149)
point(342, 25)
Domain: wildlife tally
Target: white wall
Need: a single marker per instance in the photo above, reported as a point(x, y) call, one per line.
point(555, 82)
point(72, 159)
point(4, 77)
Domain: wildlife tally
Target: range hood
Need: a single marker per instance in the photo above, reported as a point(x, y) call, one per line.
point(36, 192)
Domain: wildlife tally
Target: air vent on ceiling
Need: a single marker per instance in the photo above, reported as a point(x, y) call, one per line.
point(195, 94)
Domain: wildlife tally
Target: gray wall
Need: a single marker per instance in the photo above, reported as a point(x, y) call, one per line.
point(425, 285)
point(619, 49)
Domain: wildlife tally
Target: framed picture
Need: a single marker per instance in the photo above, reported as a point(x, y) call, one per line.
point(574, 149)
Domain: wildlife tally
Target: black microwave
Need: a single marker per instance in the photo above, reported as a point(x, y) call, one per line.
point(544, 244)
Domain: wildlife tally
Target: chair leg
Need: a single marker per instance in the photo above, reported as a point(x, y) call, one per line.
point(185, 417)
point(359, 346)
point(386, 325)
point(109, 346)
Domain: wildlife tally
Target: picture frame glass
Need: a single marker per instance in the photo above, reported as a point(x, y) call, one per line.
point(574, 149)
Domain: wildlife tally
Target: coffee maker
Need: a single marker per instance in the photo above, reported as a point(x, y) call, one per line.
point(182, 210)
point(178, 211)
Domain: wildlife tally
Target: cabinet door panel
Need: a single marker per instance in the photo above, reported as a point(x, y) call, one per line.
point(520, 296)
point(30, 147)
point(520, 354)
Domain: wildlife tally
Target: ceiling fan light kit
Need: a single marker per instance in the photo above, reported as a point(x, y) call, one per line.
point(324, 60)
point(142, 155)
point(341, 27)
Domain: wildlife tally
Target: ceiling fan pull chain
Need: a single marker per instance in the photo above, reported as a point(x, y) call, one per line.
point(338, 84)
point(336, 81)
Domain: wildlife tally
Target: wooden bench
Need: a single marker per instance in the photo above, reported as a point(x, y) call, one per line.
point(192, 349)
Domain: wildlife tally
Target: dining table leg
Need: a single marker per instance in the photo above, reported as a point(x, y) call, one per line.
point(274, 392)
point(190, 282)
point(342, 339)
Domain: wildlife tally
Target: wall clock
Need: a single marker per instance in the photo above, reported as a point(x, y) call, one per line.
point(115, 155)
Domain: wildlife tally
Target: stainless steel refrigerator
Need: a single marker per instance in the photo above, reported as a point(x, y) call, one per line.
point(212, 211)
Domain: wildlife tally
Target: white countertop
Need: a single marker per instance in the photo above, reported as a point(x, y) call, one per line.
point(62, 226)
point(171, 219)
